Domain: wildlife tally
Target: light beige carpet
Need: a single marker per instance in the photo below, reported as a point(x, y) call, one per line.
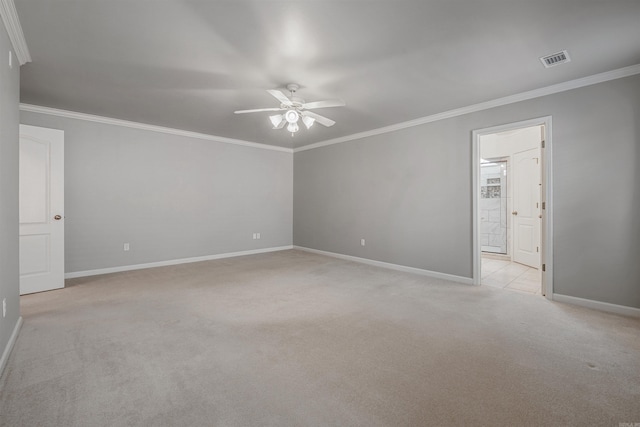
point(296, 339)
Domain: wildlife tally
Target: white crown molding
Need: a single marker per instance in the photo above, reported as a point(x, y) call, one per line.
point(110, 270)
point(388, 265)
point(14, 29)
point(598, 305)
point(135, 125)
point(536, 93)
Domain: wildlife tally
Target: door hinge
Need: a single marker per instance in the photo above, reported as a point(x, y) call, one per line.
point(537, 248)
point(543, 143)
point(544, 205)
point(544, 267)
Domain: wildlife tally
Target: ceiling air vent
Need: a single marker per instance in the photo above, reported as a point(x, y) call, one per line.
point(555, 59)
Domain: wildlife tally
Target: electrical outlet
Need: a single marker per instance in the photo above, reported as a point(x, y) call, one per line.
point(125, 247)
point(361, 242)
point(254, 236)
point(258, 234)
point(4, 307)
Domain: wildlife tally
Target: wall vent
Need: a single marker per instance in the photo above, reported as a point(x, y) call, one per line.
point(555, 59)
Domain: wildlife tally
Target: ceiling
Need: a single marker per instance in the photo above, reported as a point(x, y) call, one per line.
point(188, 64)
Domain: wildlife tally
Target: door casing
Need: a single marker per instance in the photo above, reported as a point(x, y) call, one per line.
point(547, 197)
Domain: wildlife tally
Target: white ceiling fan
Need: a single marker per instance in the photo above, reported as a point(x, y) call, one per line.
point(294, 109)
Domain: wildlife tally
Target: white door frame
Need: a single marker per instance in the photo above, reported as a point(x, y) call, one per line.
point(547, 198)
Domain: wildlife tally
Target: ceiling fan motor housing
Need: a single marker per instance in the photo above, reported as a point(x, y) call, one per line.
point(295, 100)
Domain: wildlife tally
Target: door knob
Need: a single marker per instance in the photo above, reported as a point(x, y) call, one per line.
point(57, 217)
point(514, 213)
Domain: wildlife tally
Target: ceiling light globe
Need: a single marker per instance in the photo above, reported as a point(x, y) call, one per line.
point(293, 127)
point(308, 121)
point(276, 120)
point(291, 116)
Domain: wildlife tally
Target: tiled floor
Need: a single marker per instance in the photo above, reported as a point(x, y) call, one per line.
point(511, 275)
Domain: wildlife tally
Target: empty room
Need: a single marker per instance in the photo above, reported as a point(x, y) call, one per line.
point(320, 213)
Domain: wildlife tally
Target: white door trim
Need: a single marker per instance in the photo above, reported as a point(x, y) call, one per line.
point(547, 197)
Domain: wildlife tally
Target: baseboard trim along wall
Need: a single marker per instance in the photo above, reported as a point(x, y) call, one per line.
point(429, 273)
point(96, 272)
point(598, 305)
point(7, 350)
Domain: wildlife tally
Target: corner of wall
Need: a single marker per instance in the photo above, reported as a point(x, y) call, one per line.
point(9, 123)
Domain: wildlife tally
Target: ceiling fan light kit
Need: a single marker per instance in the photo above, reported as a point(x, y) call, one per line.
point(295, 109)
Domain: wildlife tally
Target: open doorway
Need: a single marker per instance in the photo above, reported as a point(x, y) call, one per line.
point(511, 206)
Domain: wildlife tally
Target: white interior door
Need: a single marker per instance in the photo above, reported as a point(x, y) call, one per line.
point(526, 207)
point(41, 209)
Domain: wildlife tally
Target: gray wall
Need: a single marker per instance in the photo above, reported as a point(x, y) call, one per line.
point(9, 119)
point(169, 196)
point(408, 193)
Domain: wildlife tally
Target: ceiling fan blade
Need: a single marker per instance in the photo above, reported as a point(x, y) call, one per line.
point(318, 118)
point(280, 97)
point(325, 104)
point(257, 110)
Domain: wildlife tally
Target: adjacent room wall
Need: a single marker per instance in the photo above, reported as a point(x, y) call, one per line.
point(170, 197)
point(506, 144)
point(408, 193)
point(9, 121)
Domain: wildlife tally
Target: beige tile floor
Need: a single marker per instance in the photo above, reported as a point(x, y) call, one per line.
point(511, 275)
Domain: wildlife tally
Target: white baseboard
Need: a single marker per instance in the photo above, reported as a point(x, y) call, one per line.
point(7, 350)
point(434, 274)
point(598, 305)
point(96, 272)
